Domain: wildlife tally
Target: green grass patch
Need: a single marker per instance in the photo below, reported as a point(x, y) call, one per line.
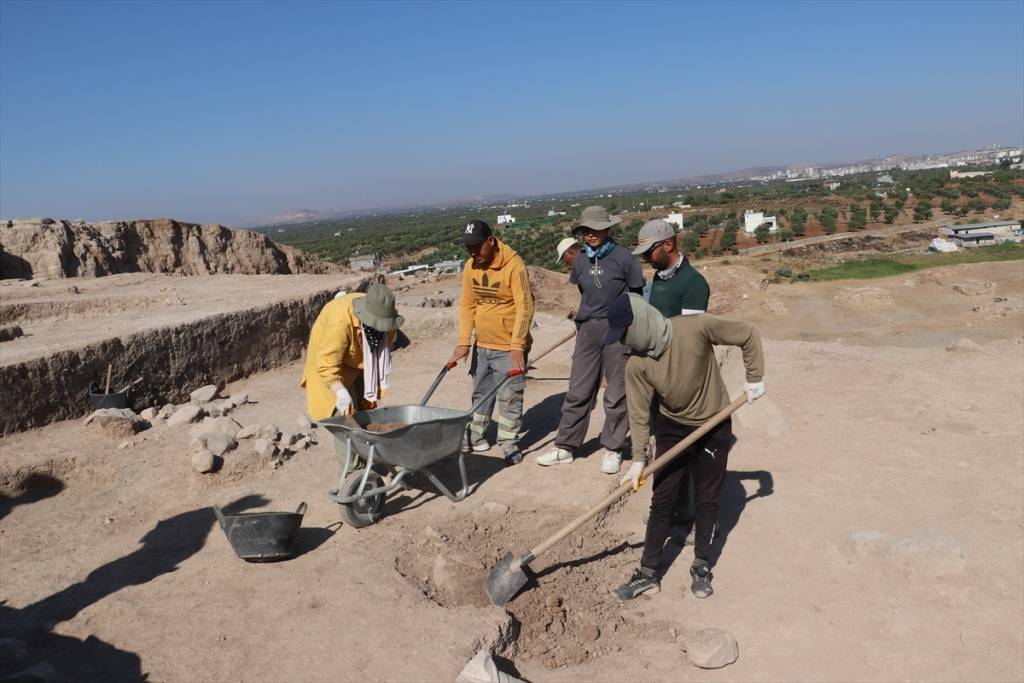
point(886, 267)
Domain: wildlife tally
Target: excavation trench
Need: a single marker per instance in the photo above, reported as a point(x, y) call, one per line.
point(565, 616)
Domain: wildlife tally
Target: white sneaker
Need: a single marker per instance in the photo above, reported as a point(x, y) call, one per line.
point(612, 462)
point(475, 447)
point(556, 456)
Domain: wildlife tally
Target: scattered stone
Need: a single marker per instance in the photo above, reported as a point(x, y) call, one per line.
point(117, 423)
point(247, 432)
point(303, 423)
point(871, 544)
point(264, 448)
point(239, 400)
point(286, 439)
point(225, 406)
point(435, 536)
point(590, 633)
point(10, 332)
point(216, 424)
point(269, 431)
point(963, 345)
point(73, 290)
point(204, 394)
point(184, 415)
point(931, 555)
point(150, 413)
point(494, 508)
point(217, 443)
point(482, 669)
point(125, 444)
point(168, 410)
point(203, 461)
point(302, 444)
point(213, 412)
point(710, 648)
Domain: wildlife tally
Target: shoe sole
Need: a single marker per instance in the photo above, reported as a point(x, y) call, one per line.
point(556, 462)
point(702, 596)
point(609, 471)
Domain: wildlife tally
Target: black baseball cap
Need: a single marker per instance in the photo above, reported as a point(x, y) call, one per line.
point(620, 317)
point(475, 233)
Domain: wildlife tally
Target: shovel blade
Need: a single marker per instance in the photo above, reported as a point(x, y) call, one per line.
point(505, 580)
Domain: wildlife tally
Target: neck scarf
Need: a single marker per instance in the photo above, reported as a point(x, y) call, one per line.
point(602, 250)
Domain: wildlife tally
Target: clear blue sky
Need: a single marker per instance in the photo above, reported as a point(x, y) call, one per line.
point(230, 112)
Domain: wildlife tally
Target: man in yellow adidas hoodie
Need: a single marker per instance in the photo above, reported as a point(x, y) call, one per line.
point(497, 305)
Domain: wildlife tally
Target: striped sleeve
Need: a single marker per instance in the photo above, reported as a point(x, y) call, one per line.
point(522, 298)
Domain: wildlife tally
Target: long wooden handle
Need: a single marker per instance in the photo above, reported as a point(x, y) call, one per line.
point(627, 487)
point(553, 346)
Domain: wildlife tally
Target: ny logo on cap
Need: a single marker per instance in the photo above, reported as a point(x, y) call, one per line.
point(469, 228)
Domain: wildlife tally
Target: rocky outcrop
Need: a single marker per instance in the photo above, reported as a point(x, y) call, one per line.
point(42, 247)
point(171, 360)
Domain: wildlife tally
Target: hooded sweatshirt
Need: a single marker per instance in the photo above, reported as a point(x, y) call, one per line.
point(496, 302)
point(675, 359)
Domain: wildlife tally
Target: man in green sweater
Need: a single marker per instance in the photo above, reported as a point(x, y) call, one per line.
point(674, 361)
point(676, 288)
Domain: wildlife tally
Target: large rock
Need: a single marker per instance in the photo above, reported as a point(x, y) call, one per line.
point(482, 669)
point(204, 394)
point(225, 425)
point(710, 648)
point(117, 423)
point(203, 461)
point(264, 448)
point(248, 432)
point(217, 443)
point(184, 415)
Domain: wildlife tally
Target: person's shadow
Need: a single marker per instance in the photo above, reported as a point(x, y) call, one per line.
point(164, 548)
point(731, 505)
point(541, 422)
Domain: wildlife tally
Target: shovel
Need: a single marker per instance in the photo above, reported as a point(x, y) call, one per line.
point(508, 577)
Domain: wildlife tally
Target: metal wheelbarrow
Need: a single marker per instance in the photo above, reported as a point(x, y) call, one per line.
point(427, 436)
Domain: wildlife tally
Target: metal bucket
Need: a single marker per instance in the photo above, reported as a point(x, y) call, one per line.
point(261, 536)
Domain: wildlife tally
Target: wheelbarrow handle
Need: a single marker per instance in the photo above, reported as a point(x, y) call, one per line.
point(220, 518)
point(437, 380)
point(301, 510)
point(487, 397)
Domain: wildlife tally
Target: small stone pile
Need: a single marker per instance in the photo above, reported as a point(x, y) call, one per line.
point(279, 446)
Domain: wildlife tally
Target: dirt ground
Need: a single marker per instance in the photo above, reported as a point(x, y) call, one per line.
point(872, 525)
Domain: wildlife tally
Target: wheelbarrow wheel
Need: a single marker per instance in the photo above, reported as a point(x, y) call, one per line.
point(367, 511)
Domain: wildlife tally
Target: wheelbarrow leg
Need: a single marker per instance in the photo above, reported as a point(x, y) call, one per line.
point(455, 498)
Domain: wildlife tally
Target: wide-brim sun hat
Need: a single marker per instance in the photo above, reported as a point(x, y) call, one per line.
point(377, 309)
point(595, 218)
point(564, 246)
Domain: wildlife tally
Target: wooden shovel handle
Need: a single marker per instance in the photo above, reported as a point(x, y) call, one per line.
point(627, 487)
point(553, 346)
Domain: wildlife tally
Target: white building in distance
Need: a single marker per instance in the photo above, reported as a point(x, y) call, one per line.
point(506, 218)
point(675, 219)
point(752, 220)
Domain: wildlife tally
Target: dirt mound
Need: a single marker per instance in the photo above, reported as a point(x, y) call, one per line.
point(552, 292)
point(58, 249)
point(566, 615)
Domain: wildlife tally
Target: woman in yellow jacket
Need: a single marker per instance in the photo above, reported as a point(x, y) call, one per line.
point(336, 376)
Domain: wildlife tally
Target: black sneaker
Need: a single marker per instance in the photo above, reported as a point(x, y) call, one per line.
point(643, 581)
point(513, 457)
point(701, 584)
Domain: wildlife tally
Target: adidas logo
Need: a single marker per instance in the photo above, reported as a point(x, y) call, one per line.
point(485, 289)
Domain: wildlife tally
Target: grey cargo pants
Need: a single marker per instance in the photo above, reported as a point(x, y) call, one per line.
point(590, 360)
point(489, 368)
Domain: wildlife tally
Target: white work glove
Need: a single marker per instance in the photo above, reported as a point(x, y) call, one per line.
point(633, 475)
point(754, 391)
point(343, 401)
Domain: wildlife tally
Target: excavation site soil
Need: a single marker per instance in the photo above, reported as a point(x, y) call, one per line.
point(871, 525)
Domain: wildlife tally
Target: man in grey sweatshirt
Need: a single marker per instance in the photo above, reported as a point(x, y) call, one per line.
point(674, 359)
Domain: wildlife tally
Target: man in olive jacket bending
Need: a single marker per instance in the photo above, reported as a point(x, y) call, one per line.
point(674, 360)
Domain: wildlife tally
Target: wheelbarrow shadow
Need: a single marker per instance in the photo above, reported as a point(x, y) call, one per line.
point(419, 490)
